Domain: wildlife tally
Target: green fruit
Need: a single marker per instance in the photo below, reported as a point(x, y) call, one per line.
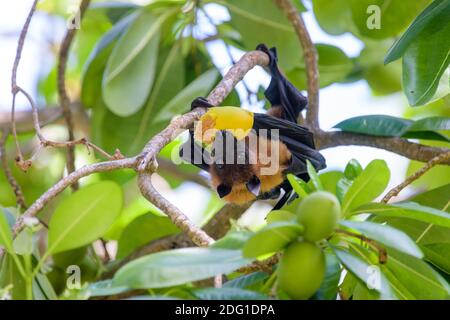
point(318, 213)
point(301, 270)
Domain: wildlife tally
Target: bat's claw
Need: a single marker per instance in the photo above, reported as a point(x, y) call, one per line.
point(200, 102)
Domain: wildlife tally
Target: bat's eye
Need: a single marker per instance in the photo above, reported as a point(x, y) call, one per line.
point(223, 190)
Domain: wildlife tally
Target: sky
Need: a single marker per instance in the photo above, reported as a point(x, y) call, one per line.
point(337, 102)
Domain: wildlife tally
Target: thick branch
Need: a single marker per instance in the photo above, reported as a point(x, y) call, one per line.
point(411, 150)
point(63, 97)
point(310, 57)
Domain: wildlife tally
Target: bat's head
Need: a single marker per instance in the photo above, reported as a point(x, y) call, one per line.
point(233, 177)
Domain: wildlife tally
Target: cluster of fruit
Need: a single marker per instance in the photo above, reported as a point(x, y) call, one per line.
point(302, 266)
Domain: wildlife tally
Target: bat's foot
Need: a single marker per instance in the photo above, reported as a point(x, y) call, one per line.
point(200, 102)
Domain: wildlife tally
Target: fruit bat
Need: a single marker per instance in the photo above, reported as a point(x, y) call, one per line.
point(248, 155)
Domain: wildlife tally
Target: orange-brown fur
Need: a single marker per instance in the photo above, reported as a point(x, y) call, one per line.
point(237, 175)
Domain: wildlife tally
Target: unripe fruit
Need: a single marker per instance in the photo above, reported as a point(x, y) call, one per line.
point(301, 270)
point(318, 213)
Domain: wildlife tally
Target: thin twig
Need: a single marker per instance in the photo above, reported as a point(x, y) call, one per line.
point(310, 57)
point(14, 88)
point(20, 199)
point(430, 164)
point(382, 253)
point(64, 99)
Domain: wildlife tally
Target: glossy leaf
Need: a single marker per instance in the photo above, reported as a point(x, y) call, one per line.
point(234, 239)
point(377, 125)
point(329, 287)
point(104, 288)
point(315, 179)
point(228, 294)
point(330, 180)
point(438, 254)
point(407, 210)
point(426, 16)
point(130, 71)
point(142, 230)
point(96, 62)
point(388, 126)
point(426, 59)
point(84, 216)
point(246, 280)
point(386, 235)
point(299, 186)
point(393, 16)
point(271, 238)
point(174, 267)
point(359, 269)
point(263, 22)
point(181, 102)
point(367, 186)
point(417, 276)
point(334, 17)
point(334, 66)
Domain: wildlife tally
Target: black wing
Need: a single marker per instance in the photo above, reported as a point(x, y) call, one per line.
point(192, 152)
point(280, 91)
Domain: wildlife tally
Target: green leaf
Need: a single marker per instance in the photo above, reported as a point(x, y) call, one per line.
point(233, 240)
point(271, 238)
point(426, 59)
point(352, 170)
point(361, 270)
point(228, 294)
point(367, 186)
point(84, 216)
point(130, 70)
point(10, 275)
point(181, 102)
point(377, 125)
point(334, 66)
point(330, 180)
point(174, 267)
point(328, 289)
point(410, 210)
point(431, 123)
point(246, 280)
point(104, 288)
point(96, 62)
point(299, 186)
point(23, 243)
point(6, 239)
point(438, 254)
point(426, 16)
point(280, 216)
point(114, 132)
point(417, 276)
point(386, 235)
point(334, 17)
point(263, 22)
point(388, 126)
point(394, 16)
point(142, 230)
point(314, 176)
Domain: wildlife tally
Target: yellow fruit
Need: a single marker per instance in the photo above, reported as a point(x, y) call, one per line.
point(318, 213)
point(301, 270)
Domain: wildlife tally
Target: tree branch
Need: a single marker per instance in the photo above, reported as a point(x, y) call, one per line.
point(403, 147)
point(64, 100)
point(310, 58)
point(430, 164)
point(152, 148)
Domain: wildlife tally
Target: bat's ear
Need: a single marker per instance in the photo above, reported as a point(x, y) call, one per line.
point(200, 102)
point(254, 185)
point(223, 190)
